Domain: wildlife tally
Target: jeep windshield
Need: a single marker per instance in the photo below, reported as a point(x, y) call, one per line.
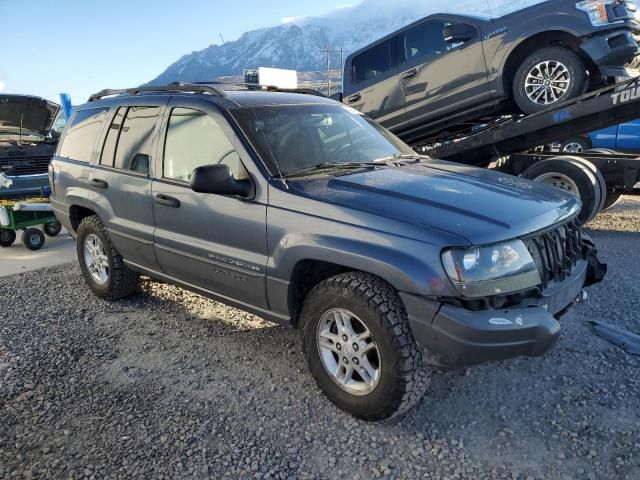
point(324, 138)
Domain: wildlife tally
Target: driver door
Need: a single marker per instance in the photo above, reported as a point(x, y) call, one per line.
point(213, 242)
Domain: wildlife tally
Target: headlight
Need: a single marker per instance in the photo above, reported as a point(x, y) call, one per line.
point(491, 270)
point(597, 11)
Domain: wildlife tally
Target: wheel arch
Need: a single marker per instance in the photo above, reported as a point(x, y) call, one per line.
point(77, 213)
point(538, 41)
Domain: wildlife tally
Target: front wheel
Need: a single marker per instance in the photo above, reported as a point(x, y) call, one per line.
point(548, 77)
point(101, 264)
point(7, 237)
point(360, 348)
point(33, 239)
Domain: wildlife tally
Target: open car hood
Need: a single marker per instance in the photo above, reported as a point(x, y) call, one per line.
point(32, 113)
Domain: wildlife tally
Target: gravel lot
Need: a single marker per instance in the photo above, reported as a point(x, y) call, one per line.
point(169, 384)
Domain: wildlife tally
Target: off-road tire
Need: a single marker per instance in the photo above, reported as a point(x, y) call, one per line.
point(404, 375)
point(571, 60)
point(7, 237)
point(122, 281)
point(32, 239)
point(52, 229)
point(586, 181)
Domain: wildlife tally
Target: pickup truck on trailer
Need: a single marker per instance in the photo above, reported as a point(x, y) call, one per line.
point(624, 137)
point(447, 70)
point(306, 212)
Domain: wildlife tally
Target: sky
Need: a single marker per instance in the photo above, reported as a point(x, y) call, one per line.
point(82, 46)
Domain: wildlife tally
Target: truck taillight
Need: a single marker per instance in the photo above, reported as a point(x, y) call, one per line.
point(596, 10)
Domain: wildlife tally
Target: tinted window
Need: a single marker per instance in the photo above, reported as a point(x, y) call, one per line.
point(427, 39)
point(109, 149)
point(373, 63)
point(194, 139)
point(136, 138)
point(82, 134)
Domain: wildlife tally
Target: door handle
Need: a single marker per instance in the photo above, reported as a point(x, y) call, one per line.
point(355, 98)
point(96, 182)
point(167, 201)
point(410, 74)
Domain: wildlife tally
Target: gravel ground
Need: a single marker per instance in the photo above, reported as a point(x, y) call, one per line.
point(169, 385)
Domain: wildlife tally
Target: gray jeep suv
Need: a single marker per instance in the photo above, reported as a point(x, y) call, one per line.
point(305, 212)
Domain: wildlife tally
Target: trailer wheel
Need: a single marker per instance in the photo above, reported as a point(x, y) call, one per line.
point(575, 145)
point(548, 77)
point(571, 176)
point(7, 238)
point(33, 239)
point(52, 229)
point(612, 199)
point(601, 180)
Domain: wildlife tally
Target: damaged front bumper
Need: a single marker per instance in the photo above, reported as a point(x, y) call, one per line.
point(455, 337)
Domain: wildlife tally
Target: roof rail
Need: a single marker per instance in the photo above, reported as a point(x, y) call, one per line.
point(258, 86)
point(175, 87)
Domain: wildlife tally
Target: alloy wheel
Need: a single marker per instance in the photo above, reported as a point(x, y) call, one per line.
point(95, 259)
point(547, 82)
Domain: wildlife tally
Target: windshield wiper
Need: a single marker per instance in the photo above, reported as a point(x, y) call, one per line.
point(402, 159)
point(327, 166)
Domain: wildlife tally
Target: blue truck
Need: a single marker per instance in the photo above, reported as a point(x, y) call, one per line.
point(622, 138)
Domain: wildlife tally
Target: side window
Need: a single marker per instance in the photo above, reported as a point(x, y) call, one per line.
point(82, 133)
point(373, 63)
point(109, 149)
point(194, 139)
point(133, 151)
point(424, 40)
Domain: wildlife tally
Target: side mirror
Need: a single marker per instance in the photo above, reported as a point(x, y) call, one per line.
point(218, 179)
point(458, 33)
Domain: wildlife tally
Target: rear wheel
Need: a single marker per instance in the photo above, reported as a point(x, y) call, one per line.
point(574, 177)
point(547, 77)
point(101, 264)
point(612, 199)
point(7, 238)
point(52, 229)
point(360, 348)
point(33, 239)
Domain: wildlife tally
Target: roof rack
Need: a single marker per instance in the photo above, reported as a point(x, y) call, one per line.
point(175, 87)
point(212, 87)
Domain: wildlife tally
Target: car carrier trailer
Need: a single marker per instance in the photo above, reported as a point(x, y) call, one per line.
point(512, 145)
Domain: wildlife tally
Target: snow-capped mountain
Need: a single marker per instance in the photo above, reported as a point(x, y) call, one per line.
point(298, 43)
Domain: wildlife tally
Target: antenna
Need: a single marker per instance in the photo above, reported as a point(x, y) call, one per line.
point(489, 7)
point(222, 39)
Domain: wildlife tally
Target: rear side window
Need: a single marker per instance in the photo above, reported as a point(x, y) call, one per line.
point(133, 151)
point(374, 63)
point(194, 139)
point(109, 149)
point(82, 134)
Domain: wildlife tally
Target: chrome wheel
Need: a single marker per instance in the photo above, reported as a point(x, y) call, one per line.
point(547, 82)
point(559, 180)
point(348, 352)
point(573, 147)
point(95, 259)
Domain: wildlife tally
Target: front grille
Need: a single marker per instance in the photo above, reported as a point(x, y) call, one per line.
point(557, 252)
point(13, 167)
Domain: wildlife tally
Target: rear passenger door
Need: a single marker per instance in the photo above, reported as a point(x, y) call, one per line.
point(374, 86)
point(214, 242)
point(440, 76)
point(122, 180)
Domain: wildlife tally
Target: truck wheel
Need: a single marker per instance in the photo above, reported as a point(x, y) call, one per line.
point(33, 239)
point(572, 176)
point(575, 145)
point(360, 348)
point(547, 77)
point(612, 199)
point(52, 229)
point(102, 266)
point(7, 238)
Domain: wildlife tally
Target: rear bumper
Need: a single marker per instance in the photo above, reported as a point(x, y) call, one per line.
point(455, 337)
point(611, 51)
point(26, 186)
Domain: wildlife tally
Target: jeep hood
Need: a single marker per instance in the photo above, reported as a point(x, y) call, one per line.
point(478, 205)
point(32, 113)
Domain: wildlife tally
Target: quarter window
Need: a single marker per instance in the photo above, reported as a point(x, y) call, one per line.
point(195, 139)
point(109, 149)
point(373, 63)
point(82, 133)
point(133, 152)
